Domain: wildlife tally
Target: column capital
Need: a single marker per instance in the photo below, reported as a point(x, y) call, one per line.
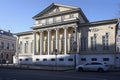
point(34, 32)
point(74, 26)
point(65, 27)
point(48, 30)
point(40, 31)
point(57, 29)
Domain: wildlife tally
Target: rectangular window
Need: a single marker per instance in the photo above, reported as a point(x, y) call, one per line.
point(52, 59)
point(62, 18)
point(58, 19)
point(13, 47)
point(54, 20)
point(2, 45)
point(105, 59)
point(39, 22)
point(72, 15)
point(20, 59)
point(47, 21)
point(26, 47)
point(37, 59)
point(83, 44)
point(70, 59)
point(7, 56)
point(94, 59)
point(107, 46)
point(93, 42)
point(83, 59)
point(105, 40)
point(61, 59)
point(26, 59)
point(31, 47)
point(20, 47)
point(7, 45)
point(44, 59)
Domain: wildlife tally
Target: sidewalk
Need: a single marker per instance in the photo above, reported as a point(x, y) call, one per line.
point(37, 67)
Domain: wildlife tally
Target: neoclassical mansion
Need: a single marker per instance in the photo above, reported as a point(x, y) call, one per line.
point(54, 33)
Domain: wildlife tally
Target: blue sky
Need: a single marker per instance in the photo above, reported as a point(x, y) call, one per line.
point(16, 15)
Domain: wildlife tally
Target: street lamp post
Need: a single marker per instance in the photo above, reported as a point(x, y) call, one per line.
point(75, 46)
point(56, 53)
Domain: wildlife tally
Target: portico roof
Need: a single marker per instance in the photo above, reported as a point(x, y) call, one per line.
point(53, 5)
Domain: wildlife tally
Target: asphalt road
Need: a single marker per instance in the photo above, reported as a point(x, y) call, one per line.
point(14, 74)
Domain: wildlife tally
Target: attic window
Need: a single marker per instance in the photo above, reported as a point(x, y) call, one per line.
point(71, 15)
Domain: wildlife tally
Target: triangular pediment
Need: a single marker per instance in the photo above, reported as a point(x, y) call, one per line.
point(53, 9)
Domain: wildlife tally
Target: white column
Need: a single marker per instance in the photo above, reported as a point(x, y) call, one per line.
point(41, 42)
point(65, 40)
point(57, 38)
point(34, 43)
point(49, 41)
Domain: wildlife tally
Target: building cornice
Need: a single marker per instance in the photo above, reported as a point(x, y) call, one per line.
point(24, 33)
point(55, 24)
point(99, 22)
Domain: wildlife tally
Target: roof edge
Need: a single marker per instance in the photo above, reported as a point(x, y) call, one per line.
point(52, 5)
point(116, 20)
point(23, 33)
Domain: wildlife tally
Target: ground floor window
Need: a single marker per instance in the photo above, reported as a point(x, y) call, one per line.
point(105, 59)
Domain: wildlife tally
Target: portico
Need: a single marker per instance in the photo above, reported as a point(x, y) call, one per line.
point(53, 38)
